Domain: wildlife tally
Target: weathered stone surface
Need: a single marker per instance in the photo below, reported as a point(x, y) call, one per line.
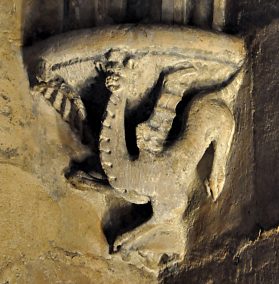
point(46, 225)
point(134, 61)
point(265, 88)
point(252, 262)
point(44, 19)
point(51, 232)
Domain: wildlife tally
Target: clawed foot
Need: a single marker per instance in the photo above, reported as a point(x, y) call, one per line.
point(153, 245)
point(127, 240)
point(215, 185)
point(82, 180)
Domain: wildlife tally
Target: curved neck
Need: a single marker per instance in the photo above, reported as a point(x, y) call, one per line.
point(114, 154)
point(115, 159)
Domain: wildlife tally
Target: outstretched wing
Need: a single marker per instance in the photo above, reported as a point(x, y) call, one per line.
point(197, 76)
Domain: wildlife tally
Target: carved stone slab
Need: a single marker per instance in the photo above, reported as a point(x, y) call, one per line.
point(168, 95)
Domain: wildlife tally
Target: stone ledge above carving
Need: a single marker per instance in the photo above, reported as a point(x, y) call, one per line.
point(53, 17)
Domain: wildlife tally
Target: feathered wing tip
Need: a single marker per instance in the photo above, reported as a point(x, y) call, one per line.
point(65, 101)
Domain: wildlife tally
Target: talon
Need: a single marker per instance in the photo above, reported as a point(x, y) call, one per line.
point(208, 189)
point(214, 187)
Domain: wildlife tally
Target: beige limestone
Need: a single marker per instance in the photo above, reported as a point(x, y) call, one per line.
point(46, 226)
point(134, 61)
point(51, 233)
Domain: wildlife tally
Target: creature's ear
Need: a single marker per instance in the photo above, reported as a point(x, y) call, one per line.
point(65, 101)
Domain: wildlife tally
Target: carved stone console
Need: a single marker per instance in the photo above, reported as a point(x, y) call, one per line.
point(139, 141)
point(150, 102)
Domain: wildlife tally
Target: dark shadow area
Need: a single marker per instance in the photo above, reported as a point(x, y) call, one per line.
point(44, 19)
point(139, 114)
point(86, 170)
point(202, 17)
point(138, 10)
point(95, 96)
point(182, 109)
point(124, 218)
point(178, 125)
point(266, 120)
point(253, 14)
point(205, 165)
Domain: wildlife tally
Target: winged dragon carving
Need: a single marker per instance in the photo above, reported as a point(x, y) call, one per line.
point(150, 74)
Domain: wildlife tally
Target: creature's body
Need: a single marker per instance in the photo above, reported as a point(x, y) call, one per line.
point(143, 68)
